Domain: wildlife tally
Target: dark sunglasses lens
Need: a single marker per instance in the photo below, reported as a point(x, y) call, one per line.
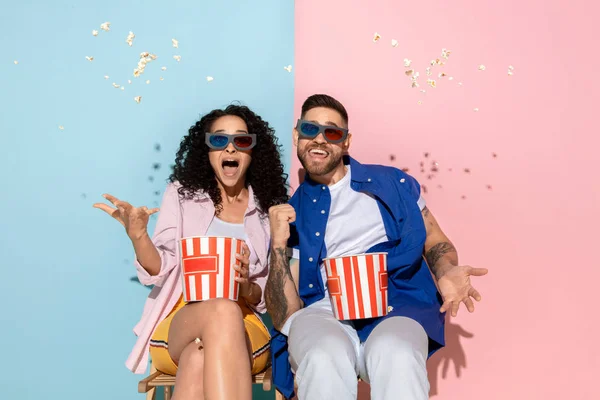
point(309, 129)
point(219, 141)
point(243, 142)
point(333, 134)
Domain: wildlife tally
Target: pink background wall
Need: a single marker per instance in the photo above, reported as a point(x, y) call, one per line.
point(534, 335)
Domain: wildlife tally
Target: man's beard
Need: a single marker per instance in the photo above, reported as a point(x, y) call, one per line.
point(322, 168)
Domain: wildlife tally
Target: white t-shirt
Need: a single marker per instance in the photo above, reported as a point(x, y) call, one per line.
point(221, 228)
point(354, 224)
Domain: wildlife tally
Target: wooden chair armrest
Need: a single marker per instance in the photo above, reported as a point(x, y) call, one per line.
point(268, 380)
point(143, 386)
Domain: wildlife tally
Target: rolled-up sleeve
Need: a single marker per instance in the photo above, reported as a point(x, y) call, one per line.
point(164, 238)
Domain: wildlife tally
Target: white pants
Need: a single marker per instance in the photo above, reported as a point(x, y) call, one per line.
point(326, 356)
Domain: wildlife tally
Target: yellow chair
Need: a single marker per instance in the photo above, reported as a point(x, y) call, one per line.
point(157, 379)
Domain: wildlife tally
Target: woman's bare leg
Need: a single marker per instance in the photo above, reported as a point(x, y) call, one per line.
point(226, 365)
point(188, 382)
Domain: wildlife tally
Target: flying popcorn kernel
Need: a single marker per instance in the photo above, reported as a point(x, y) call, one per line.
point(116, 86)
point(164, 68)
point(376, 37)
point(482, 67)
point(94, 33)
point(130, 38)
point(288, 68)
point(62, 128)
point(209, 78)
point(394, 43)
point(138, 99)
point(148, 82)
point(106, 77)
point(445, 53)
point(175, 43)
point(105, 26)
point(177, 58)
point(431, 82)
point(89, 58)
point(407, 62)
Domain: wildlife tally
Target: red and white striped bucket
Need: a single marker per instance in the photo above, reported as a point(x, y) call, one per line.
point(358, 285)
point(207, 271)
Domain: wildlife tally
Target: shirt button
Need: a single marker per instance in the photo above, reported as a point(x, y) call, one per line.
point(322, 211)
point(318, 234)
point(402, 180)
point(314, 200)
point(323, 187)
point(369, 180)
point(310, 259)
point(310, 285)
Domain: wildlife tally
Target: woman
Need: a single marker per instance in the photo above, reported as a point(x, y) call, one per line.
point(227, 174)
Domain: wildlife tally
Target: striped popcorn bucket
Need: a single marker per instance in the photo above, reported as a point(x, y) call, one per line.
point(358, 285)
point(207, 271)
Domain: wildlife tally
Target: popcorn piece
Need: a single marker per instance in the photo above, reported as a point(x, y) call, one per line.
point(122, 87)
point(138, 99)
point(288, 68)
point(409, 72)
point(407, 62)
point(175, 43)
point(62, 128)
point(441, 75)
point(89, 58)
point(105, 26)
point(129, 81)
point(116, 86)
point(376, 37)
point(450, 78)
point(15, 62)
point(94, 33)
point(431, 82)
point(394, 43)
point(390, 309)
point(164, 68)
point(130, 38)
point(161, 78)
point(148, 82)
point(209, 78)
point(476, 109)
point(460, 84)
point(419, 102)
point(177, 58)
point(445, 53)
point(428, 71)
point(482, 67)
point(106, 77)
point(510, 70)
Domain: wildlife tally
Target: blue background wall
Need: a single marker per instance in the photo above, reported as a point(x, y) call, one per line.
point(68, 304)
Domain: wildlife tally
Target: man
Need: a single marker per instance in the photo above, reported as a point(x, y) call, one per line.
point(346, 208)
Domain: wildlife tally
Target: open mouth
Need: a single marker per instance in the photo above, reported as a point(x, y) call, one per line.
point(230, 167)
point(318, 153)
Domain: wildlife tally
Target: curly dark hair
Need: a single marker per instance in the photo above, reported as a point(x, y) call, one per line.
point(265, 174)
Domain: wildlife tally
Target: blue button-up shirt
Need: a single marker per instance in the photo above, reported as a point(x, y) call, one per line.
point(411, 290)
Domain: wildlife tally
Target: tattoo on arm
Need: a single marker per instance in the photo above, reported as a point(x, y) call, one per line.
point(438, 251)
point(279, 276)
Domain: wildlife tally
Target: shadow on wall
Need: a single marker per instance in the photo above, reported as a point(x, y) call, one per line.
point(439, 363)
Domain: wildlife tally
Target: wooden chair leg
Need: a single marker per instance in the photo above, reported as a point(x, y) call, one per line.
point(151, 394)
point(167, 392)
